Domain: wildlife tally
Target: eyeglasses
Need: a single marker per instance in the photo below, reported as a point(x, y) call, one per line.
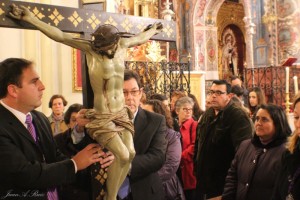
point(217, 92)
point(133, 93)
point(187, 109)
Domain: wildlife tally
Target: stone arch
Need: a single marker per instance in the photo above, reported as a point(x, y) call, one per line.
point(205, 38)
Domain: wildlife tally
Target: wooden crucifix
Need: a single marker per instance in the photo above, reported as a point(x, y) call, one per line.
point(84, 22)
point(110, 119)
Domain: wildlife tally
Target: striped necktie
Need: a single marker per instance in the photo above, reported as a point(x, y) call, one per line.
point(30, 126)
point(52, 194)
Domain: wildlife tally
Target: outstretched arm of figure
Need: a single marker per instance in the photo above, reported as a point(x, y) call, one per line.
point(24, 14)
point(142, 37)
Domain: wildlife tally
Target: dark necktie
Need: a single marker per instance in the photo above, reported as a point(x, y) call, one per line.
point(51, 193)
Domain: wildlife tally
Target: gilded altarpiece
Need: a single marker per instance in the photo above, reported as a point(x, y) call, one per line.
point(231, 40)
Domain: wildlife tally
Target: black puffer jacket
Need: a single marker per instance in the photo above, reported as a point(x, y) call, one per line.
point(254, 170)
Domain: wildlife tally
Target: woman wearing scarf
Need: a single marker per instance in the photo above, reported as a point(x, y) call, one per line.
point(57, 103)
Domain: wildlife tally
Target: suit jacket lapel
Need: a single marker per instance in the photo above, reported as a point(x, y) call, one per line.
point(37, 127)
point(41, 136)
point(15, 123)
point(139, 124)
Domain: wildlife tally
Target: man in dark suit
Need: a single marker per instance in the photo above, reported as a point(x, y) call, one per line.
point(149, 143)
point(31, 165)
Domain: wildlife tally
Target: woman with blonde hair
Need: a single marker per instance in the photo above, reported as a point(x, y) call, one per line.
point(288, 183)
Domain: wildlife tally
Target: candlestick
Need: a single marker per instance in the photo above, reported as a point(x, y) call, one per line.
point(296, 84)
point(287, 77)
point(287, 103)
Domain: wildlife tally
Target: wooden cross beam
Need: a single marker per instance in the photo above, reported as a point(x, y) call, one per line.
point(84, 22)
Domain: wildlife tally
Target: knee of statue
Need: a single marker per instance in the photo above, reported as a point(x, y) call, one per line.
point(124, 158)
point(131, 155)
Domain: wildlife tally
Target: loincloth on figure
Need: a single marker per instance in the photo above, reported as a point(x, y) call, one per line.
point(105, 126)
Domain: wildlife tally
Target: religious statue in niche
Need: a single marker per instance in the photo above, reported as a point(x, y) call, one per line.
point(111, 121)
point(229, 53)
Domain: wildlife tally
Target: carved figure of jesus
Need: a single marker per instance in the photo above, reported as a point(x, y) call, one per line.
point(111, 124)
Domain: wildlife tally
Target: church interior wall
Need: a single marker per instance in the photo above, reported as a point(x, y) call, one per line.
point(260, 39)
point(53, 60)
point(197, 35)
point(277, 34)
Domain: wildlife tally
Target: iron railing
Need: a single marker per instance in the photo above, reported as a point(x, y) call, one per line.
point(272, 80)
point(162, 77)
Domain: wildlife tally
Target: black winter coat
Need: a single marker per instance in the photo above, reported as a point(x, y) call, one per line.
point(291, 163)
point(254, 170)
point(217, 140)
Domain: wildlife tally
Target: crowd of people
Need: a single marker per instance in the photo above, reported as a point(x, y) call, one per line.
point(222, 153)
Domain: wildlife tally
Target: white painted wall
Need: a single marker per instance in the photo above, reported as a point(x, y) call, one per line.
point(53, 60)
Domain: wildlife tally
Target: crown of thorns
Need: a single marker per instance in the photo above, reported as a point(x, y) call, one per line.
point(105, 37)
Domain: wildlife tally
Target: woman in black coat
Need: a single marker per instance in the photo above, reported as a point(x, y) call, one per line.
point(288, 183)
point(257, 162)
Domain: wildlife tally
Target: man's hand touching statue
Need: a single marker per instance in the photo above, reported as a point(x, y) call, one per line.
point(106, 157)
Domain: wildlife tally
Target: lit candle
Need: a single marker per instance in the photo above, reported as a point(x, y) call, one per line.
point(296, 84)
point(287, 77)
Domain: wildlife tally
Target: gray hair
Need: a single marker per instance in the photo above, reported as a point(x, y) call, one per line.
point(183, 100)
